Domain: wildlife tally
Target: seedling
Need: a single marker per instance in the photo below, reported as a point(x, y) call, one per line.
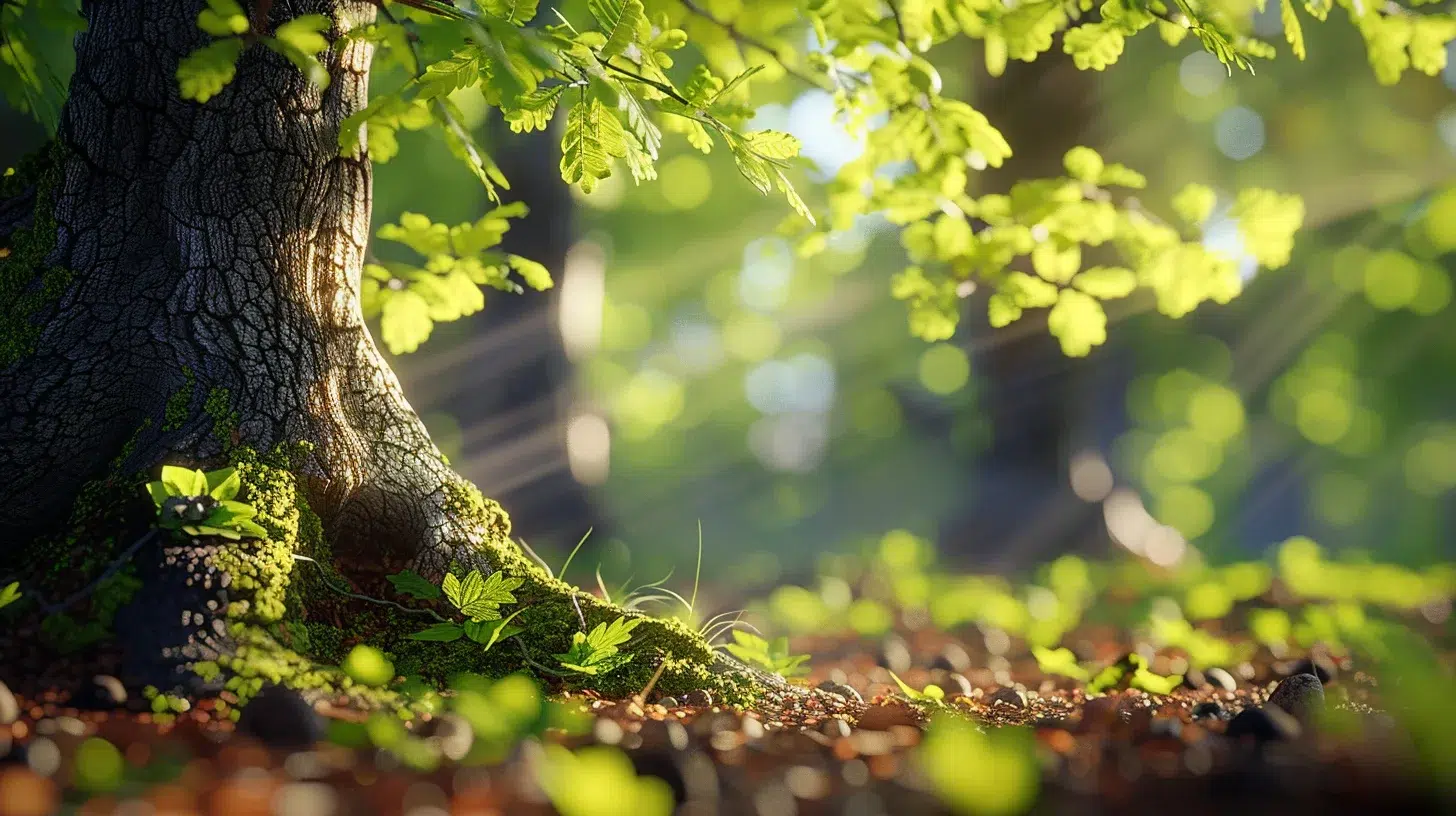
point(9, 594)
point(598, 653)
point(477, 598)
point(201, 504)
point(932, 693)
point(1132, 671)
point(1059, 661)
point(771, 655)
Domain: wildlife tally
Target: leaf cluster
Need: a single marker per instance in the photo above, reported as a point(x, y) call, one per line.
point(477, 599)
point(199, 503)
point(599, 652)
point(772, 655)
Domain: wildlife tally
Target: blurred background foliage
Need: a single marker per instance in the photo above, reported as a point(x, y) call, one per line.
point(691, 367)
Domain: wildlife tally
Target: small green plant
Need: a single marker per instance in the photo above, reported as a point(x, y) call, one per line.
point(477, 598)
point(578, 783)
point(9, 594)
point(598, 652)
point(199, 503)
point(772, 655)
point(932, 693)
point(1132, 672)
point(1059, 661)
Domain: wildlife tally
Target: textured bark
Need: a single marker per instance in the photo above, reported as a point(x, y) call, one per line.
point(216, 252)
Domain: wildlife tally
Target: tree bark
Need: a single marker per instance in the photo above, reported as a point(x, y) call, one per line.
point(215, 253)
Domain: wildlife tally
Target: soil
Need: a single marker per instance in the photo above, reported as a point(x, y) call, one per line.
point(1123, 752)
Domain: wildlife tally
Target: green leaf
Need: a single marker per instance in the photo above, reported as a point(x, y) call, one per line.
point(1106, 282)
point(1058, 661)
point(1054, 263)
point(534, 110)
point(224, 484)
point(1267, 221)
point(1083, 164)
point(619, 20)
point(408, 582)
point(222, 18)
point(404, 322)
point(301, 40)
point(515, 12)
point(1078, 321)
point(593, 138)
point(488, 633)
point(9, 594)
point(202, 74)
point(181, 481)
point(451, 586)
point(159, 493)
point(1195, 202)
point(1094, 46)
point(1292, 30)
point(440, 632)
point(534, 274)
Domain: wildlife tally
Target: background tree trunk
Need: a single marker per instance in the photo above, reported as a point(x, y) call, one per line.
point(214, 253)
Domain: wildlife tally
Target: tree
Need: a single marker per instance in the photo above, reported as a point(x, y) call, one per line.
point(188, 278)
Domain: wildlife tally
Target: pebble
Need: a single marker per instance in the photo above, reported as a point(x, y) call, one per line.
point(952, 658)
point(836, 729)
point(1263, 725)
point(958, 684)
point(452, 734)
point(1208, 710)
point(1300, 695)
point(279, 717)
point(894, 655)
point(698, 698)
point(9, 708)
point(103, 693)
point(843, 690)
point(1194, 679)
point(1220, 678)
point(669, 702)
point(1015, 698)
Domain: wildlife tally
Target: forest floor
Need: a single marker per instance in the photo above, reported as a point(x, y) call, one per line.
point(862, 753)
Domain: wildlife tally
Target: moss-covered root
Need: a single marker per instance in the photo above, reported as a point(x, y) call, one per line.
point(289, 620)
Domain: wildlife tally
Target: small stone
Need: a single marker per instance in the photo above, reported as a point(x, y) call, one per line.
point(1263, 725)
point(894, 655)
point(698, 698)
point(669, 702)
point(958, 684)
point(1320, 666)
point(952, 658)
point(841, 689)
point(1015, 698)
point(1220, 678)
point(1300, 695)
point(1194, 679)
point(1169, 727)
point(279, 717)
point(9, 708)
point(883, 717)
point(451, 733)
point(103, 693)
point(1210, 710)
point(835, 729)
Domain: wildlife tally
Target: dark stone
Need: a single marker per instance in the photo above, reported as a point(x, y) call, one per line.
point(698, 698)
point(894, 655)
point(665, 734)
point(1300, 695)
point(952, 658)
point(1015, 698)
point(1209, 710)
point(1263, 725)
point(1320, 666)
point(845, 691)
point(9, 708)
point(103, 693)
point(1221, 679)
point(1169, 727)
point(279, 717)
point(669, 702)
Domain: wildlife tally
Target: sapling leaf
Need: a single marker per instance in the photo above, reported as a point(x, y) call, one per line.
point(224, 484)
point(181, 481)
point(413, 584)
point(9, 594)
point(440, 632)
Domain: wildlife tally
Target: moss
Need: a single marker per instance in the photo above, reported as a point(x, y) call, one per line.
point(260, 568)
point(176, 413)
point(28, 289)
point(219, 407)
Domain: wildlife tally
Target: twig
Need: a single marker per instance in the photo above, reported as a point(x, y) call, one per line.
point(749, 41)
point(646, 690)
point(110, 570)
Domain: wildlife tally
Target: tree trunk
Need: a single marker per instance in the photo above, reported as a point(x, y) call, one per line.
point(215, 252)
